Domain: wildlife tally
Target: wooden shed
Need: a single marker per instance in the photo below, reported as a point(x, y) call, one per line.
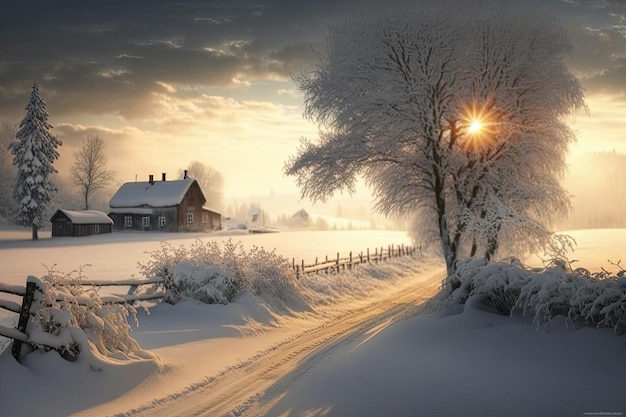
point(80, 223)
point(165, 206)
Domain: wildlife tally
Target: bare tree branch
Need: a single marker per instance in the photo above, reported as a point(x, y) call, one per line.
point(89, 171)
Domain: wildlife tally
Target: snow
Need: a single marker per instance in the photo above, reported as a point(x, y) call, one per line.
point(155, 194)
point(471, 364)
point(86, 216)
point(408, 364)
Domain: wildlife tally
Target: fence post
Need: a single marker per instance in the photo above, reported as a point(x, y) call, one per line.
point(337, 262)
point(303, 267)
point(297, 269)
point(368, 255)
point(29, 303)
point(350, 264)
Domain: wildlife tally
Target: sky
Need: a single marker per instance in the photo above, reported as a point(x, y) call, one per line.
point(164, 83)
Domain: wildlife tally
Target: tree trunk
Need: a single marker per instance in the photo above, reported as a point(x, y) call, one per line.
point(35, 235)
point(474, 249)
point(449, 250)
point(493, 244)
point(448, 247)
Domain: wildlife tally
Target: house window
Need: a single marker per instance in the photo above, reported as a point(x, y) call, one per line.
point(190, 217)
point(128, 221)
point(162, 221)
point(205, 217)
point(96, 228)
point(145, 221)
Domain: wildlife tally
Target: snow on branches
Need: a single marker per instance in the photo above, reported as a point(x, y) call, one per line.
point(74, 320)
point(445, 114)
point(216, 274)
point(34, 153)
point(543, 293)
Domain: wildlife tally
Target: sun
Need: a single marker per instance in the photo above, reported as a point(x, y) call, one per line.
point(475, 126)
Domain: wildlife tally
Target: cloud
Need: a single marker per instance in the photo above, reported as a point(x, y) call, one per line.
point(109, 57)
point(596, 49)
point(597, 30)
point(609, 81)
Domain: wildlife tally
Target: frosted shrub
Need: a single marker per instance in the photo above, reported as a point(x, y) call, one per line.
point(215, 274)
point(496, 285)
point(601, 301)
point(546, 295)
point(67, 308)
point(581, 297)
point(271, 274)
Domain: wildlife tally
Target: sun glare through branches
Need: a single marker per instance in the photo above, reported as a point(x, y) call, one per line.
point(478, 125)
point(475, 126)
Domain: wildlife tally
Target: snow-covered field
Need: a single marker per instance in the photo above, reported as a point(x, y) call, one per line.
point(357, 347)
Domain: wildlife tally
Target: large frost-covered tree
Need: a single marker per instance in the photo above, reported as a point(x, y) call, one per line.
point(34, 153)
point(454, 115)
point(89, 171)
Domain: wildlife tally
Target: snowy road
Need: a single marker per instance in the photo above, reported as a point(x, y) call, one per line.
point(253, 387)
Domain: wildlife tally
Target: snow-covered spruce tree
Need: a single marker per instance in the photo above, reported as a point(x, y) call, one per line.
point(7, 172)
point(34, 153)
point(454, 115)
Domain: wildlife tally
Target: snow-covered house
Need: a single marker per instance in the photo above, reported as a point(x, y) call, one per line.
point(167, 206)
point(80, 223)
point(301, 218)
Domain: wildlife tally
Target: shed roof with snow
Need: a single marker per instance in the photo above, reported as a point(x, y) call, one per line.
point(152, 194)
point(83, 217)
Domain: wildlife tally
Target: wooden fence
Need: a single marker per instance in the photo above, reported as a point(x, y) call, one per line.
point(29, 306)
point(338, 264)
point(32, 294)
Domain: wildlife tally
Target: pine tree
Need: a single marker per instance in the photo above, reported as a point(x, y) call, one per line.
point(34, 153)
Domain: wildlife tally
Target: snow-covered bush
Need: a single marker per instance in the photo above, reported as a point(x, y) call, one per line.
point(65, 308)
point(216, 274)
point(544, 293)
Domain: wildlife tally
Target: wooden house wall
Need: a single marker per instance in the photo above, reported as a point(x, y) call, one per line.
point(90, 229)
point(154, 225)
point(62, 226)
point(192, 202)
point(215, 220)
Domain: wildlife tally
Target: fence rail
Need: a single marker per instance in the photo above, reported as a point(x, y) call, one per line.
point(338, 264)
point(32, 293)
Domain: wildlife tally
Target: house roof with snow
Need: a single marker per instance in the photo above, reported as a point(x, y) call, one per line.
point(152, 194)
point(301, 214)
point(83, 217)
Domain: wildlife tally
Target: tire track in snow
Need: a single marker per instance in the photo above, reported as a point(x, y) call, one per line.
point(254, 385)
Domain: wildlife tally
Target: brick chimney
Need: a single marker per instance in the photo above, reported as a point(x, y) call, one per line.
point(163, 176)
point(185, 177)
point(151, 179)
